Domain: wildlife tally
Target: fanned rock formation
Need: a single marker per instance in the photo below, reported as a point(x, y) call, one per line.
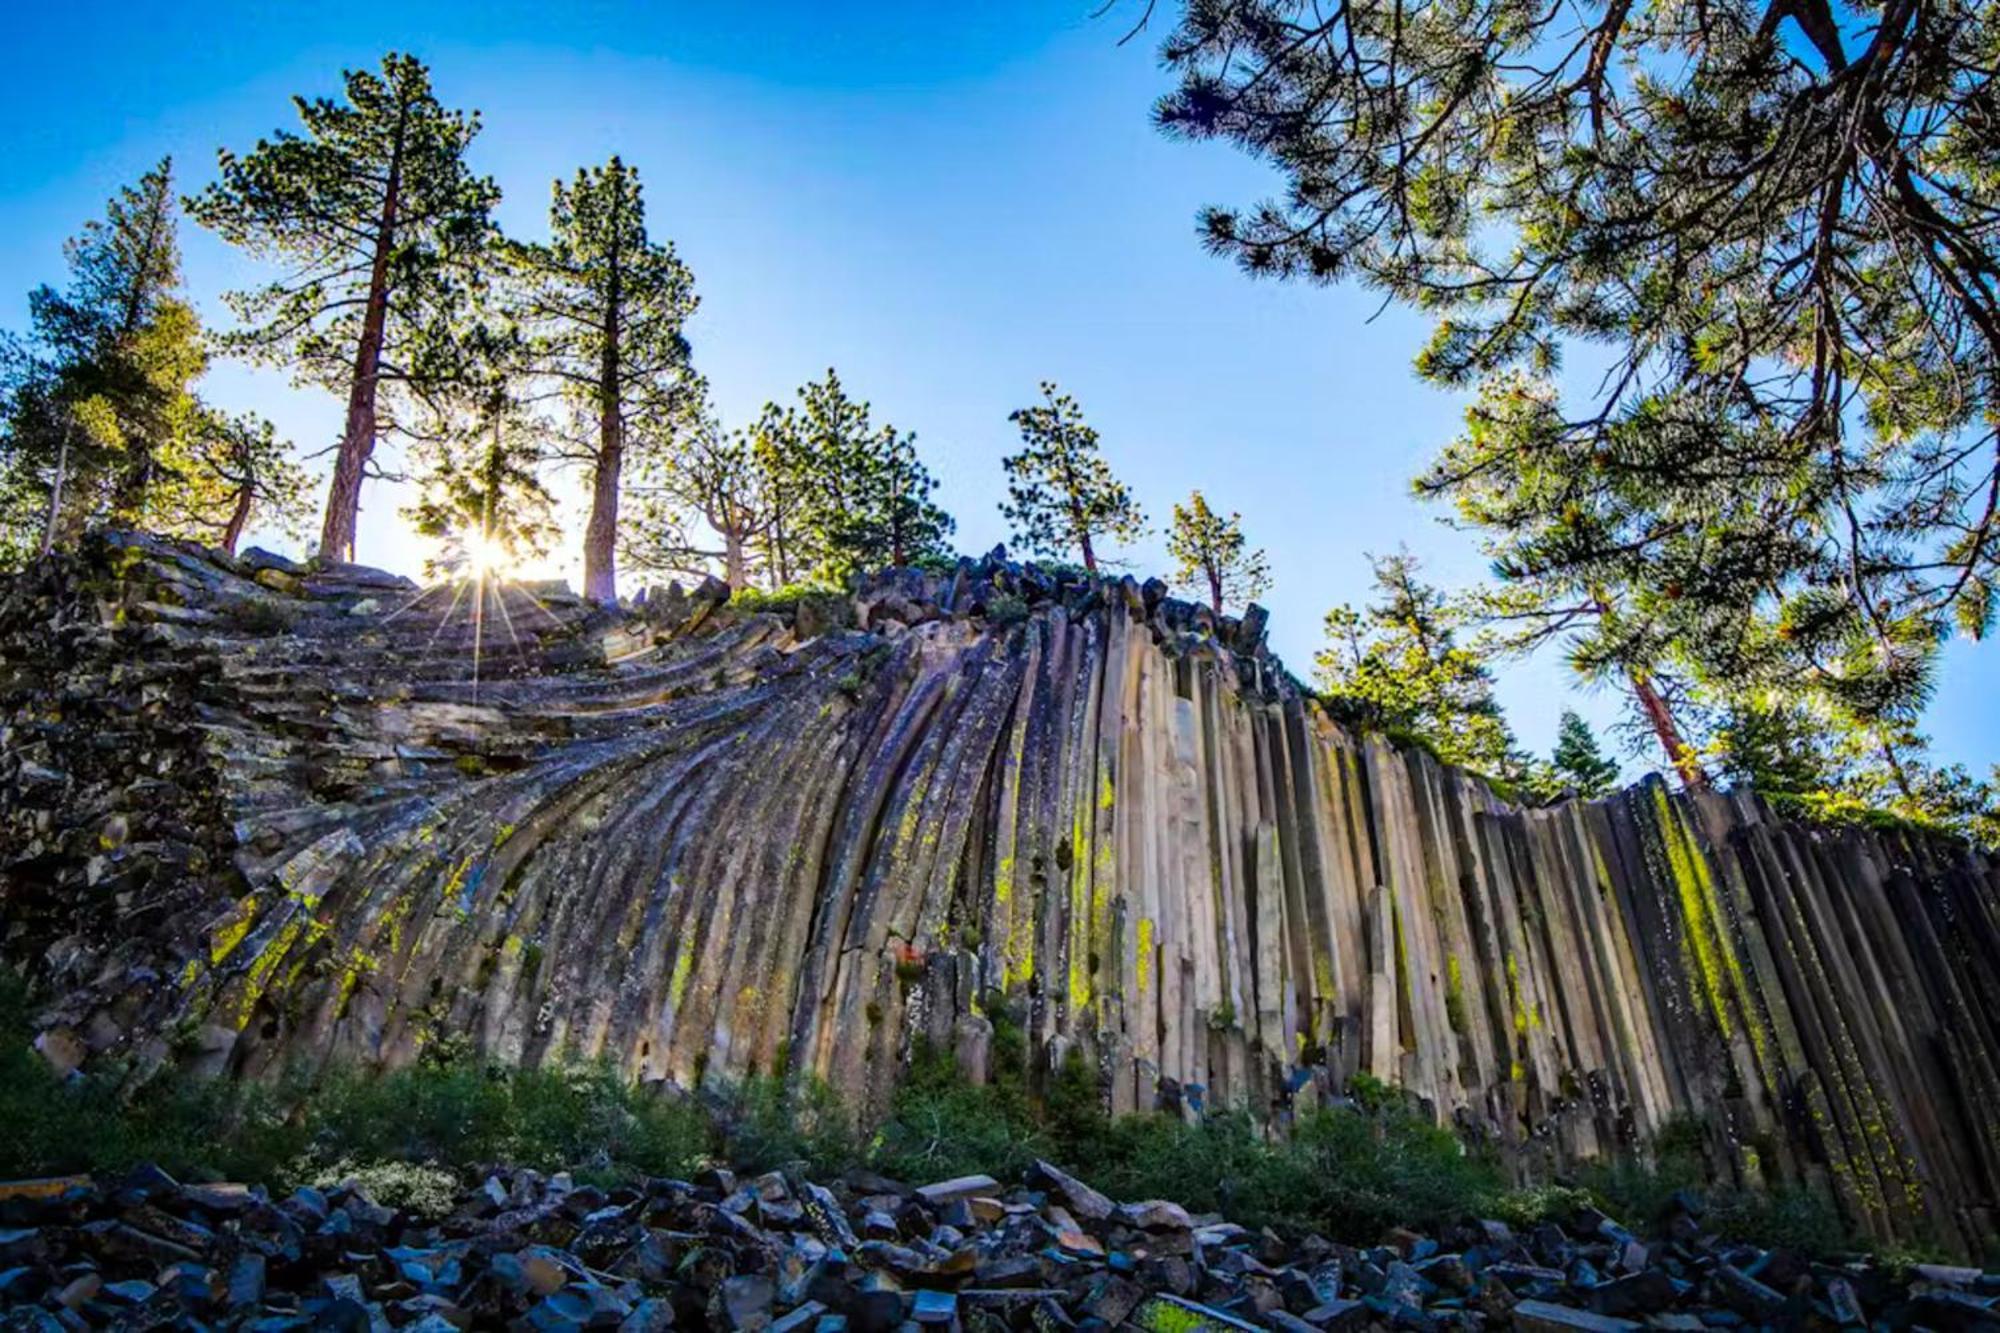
point(254, 813)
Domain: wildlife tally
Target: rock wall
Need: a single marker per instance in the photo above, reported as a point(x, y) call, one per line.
point(253, 813)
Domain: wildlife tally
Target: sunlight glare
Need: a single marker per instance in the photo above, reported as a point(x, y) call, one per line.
point(486, 557)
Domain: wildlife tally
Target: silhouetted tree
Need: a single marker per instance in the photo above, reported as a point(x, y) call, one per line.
point(605, 307)
point(384, 231)
point(483, 497)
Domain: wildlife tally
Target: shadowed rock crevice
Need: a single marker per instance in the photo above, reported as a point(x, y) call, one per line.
point(256, 813)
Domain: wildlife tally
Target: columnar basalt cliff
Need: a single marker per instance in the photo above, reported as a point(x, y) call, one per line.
point(255, 815)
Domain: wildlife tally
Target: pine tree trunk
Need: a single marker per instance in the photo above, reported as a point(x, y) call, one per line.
point(239, 518)
point(136, 477)
point(1215, 591)
point(600, 533)
point(357, 442)
point(1679, 753)
point(734, 566)
point(781, 563)
point(56, 493)
point(1896, 771)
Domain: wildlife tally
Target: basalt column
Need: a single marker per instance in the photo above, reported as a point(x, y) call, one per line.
point(257, 814)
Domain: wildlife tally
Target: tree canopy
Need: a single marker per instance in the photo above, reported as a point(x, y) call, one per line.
point(606, 308)
point(1724, 280)
point(1062, 498)
point(383, 231)
point(101, 421)
point(1397, 666)
point(1211, 554)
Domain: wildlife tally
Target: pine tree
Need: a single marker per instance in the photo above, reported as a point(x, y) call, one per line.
point(103, 389)
point(226, 472)
point(384, 231)
point(842, 493)
point(1837, 767)
point(482, 497)
point(1061, 494)
point(900, 523)
point(1210, 552)
point(699, 505)
point(606, 307)
point(1579, 764)
point(1771, 224)
point(1397, 666)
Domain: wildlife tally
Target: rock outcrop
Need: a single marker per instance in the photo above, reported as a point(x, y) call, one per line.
point(256, 813)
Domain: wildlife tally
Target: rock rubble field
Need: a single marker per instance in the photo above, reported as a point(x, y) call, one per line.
point(865, 1253)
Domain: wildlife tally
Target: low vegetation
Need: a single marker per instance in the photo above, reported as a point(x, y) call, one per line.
point(1348, 1172)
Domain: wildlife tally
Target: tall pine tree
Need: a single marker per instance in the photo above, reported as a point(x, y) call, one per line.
point(1210, 552)
point(384, 232)
point(1061, 495)
point(1398, 666)
point(102, 392)
point(605, 307)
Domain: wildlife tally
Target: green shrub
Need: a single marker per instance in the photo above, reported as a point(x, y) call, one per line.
point(770, 1121)
point(1004, 608)
point(942, 1125)
point(407, 1136)
point(780, 601)
point(452, 1113)
point(426, 1190)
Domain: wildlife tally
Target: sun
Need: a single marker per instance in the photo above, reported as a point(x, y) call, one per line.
point(486, 556)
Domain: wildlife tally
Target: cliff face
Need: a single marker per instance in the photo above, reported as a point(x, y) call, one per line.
point(253, 815)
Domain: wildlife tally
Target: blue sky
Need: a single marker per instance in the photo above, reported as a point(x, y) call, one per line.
point(949, 203)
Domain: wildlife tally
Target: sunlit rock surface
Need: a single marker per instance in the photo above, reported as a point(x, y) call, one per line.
point(255, 815)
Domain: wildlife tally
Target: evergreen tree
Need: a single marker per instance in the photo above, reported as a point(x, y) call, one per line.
point(842, 493)
point(1773, 224)
point(899, 522)
point(226, 472)
point(1837, 767)
point(482, 496)
point(103, 389)
point(1210, 552)
point(606, 307)
point(1578, 764)
point(1396, 666)
point(700, 504)
point(384, 233)
point(1061, 494)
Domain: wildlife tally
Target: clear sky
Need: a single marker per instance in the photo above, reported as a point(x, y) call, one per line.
point(947, 202)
